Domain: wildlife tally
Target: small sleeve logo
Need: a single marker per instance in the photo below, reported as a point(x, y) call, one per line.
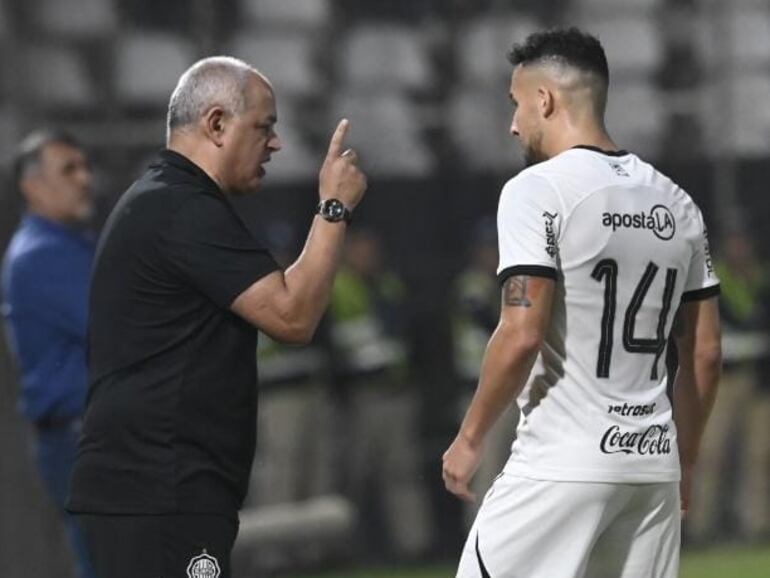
point(549, 220)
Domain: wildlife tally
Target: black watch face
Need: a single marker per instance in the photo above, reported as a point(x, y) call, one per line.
point(336, 209)
point(333, 210)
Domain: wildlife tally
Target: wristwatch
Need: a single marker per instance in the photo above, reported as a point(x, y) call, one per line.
point(334, 211)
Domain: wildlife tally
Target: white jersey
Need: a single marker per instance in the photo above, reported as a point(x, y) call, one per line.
point(626, 245)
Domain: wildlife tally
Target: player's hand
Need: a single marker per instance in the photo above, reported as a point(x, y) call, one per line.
point(460, 462)
point(340, 176)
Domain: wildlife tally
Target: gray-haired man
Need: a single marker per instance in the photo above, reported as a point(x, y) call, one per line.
point(179, 288)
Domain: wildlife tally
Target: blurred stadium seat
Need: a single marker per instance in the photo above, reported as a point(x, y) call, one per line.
point(385, 130)
point(293, 534)
point(744, 37)
point(148, 65)
point(289, 13)
point(635, 117)
point(750, 35)
point(55, 77)
point(632, 43)
point(385, 56)
point(613, 6)
point(4, 24)
point(484, 43)
point(479, 122)
point(286, 59)
point(751, 114)
point(75, 18)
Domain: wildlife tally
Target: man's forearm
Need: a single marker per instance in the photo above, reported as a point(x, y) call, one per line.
point(507, 364)
point(694, 397)
point(310, 278)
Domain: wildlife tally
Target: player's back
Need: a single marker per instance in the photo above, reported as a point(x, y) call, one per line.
point(626, 245)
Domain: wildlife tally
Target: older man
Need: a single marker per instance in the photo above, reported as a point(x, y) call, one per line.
point(180, 286)
point(45, 297)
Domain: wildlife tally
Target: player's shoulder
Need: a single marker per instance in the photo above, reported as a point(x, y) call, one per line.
point(677, 196)
point(574, 169)
point(531, 181)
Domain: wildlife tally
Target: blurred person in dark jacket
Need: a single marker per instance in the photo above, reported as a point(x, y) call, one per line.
point(382, 468)
point(45, 304)
point(741, 419)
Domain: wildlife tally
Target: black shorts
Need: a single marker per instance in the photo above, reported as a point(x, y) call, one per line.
point(163, 546)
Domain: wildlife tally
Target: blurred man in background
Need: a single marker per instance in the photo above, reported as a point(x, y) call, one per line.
point(370, 357)
point(727, 499)
point(180, 287)
point(475, 312)
point(293, 463)
point(598, 250)
point(292, 460)
point(45, 279)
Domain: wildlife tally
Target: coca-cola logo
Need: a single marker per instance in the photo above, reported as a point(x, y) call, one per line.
point(652, 441)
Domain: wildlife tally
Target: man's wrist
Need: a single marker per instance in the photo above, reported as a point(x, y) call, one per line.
point(334, 211)
point(471, 436)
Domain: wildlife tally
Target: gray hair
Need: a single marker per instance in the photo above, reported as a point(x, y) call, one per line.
point(30, 150)
point(217, 80)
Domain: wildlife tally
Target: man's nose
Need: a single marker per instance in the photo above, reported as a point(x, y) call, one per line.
point(85, 176)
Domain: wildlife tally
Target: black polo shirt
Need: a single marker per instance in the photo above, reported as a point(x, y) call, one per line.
point(171, 416)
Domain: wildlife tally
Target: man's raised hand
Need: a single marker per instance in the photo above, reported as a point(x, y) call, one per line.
point(340, 177)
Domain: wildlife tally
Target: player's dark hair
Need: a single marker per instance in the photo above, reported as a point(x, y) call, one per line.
point(31, 148)
point(568, 46)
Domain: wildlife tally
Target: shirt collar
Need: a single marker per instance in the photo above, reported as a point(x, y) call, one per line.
point(618, 153)
point(167, 157)
point(34, 220)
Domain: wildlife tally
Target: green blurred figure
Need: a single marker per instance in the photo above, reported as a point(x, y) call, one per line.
point(741, 418)
point(382, 465)
point(475, 313)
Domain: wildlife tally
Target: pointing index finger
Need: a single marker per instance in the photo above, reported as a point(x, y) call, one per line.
point(338, 139)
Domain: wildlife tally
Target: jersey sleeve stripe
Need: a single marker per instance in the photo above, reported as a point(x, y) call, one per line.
point(531, 270)
point(700, 294)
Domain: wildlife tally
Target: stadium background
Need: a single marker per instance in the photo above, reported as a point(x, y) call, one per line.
point(424, 83)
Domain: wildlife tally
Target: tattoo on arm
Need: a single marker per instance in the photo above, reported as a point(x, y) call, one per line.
point(515, 292)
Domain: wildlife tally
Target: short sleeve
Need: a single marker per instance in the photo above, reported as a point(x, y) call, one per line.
point(702, 281)
point(209, 247)
point(528, 226)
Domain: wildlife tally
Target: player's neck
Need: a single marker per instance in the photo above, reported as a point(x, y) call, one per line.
point(592, 136)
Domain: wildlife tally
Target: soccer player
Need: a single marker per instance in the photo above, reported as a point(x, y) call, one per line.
point(600, 256)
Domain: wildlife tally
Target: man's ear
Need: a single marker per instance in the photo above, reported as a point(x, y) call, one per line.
point(29, 186)
point(214, 123)
point(546, 101)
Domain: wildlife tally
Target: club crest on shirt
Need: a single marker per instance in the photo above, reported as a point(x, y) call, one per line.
point(203, 566)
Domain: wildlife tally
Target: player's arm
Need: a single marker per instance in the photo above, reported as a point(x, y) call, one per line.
point(288, 305)
point(511, 352)
point(698, 339)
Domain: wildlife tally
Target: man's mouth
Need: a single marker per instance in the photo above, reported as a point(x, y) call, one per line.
point(262, 172)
